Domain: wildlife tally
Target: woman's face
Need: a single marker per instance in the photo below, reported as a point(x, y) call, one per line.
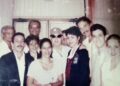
point(72, 40)
point(33, 46)
point(98, 38)
point(46, 49)
point(114, 47)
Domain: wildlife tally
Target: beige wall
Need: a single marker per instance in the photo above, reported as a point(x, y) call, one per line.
point(107, 12)
point(48, 8)
point(54, 13)
point(6, 11)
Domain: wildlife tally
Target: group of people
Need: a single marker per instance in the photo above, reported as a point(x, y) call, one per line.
point(81, 55)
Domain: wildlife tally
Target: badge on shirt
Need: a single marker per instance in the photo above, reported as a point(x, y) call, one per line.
point(75, 61)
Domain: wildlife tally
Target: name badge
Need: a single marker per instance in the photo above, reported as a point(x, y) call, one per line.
point(75, 61)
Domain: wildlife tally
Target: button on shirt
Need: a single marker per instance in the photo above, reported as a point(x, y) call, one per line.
point(21, 67)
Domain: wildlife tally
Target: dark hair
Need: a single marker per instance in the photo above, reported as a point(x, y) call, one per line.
point(83, 18)
point(74, 31)
point(42, 42)
point(95, 27)
point(65, 31)
point(113, 36)
point(30, 38)
point(34, 21)
point(18, 34)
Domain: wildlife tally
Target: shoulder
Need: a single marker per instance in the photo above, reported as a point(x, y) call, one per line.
point(83, 53)
point(83, 47)
point(65, 47)
point(29, 57)
point(6, 59)
point(7, 56)
point(35, 63)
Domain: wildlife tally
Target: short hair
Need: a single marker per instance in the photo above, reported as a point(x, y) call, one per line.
point(6, 27)
point(18, 34)
point(34, 21)
point(42, 42)
point(113, 36)
point(74, 31)
point(83, 18)
point(64, 31)
point(30, 38)
point(95, 27)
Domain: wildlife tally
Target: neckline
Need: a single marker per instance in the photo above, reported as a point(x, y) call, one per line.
point(49, 70)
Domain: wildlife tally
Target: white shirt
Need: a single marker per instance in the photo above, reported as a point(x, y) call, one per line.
point(57, 56)
point(43, 76)
point(110, 77)
point(98, 59)
point(61, 58)
point(4, 49)
point(21, 67)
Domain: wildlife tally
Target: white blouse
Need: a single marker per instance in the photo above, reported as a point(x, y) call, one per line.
point(43, 76)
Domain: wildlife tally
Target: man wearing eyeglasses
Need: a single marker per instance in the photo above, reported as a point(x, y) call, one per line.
point(60, 51)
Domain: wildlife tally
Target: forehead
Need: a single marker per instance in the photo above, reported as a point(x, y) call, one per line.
point(9, 30)
point(97, 32)
point(113, 42)
point(82, 23)
point(46, 44)
point(33, 41)
point(18, 37)
point(34, 24)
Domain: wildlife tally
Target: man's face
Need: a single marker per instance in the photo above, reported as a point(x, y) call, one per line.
point(56, 39)
point(18, 43)
point(34, 29)
point(98, 38)
point(84, 28)
point(7, 35)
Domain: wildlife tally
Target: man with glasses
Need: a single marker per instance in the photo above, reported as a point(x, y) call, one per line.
point(60, 52)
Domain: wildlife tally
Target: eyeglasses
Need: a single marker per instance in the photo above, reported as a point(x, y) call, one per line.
point(56, 36)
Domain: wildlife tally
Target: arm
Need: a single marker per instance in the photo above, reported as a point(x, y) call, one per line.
point(30, 81)
point(59, 81)
point(84, 71)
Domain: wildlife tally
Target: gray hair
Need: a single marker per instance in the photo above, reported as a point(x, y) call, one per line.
point(6, 27)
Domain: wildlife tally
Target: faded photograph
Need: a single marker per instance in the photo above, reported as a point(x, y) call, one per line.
point(59, 43)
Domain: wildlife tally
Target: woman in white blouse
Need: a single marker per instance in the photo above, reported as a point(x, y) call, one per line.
point(44, 71)
point(110, 71)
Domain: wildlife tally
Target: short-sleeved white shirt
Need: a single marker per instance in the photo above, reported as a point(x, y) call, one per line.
point(43, 76)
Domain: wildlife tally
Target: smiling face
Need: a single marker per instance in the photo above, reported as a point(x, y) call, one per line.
point(46, 49)
point(18, 43)
point(114, 47)
point(72, 40)
point(84, 28)
point(98, 38)
point(7, 35)
point(34, 29)
point(33, 46)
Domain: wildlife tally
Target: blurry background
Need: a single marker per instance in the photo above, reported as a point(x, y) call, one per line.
point(59, 13)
